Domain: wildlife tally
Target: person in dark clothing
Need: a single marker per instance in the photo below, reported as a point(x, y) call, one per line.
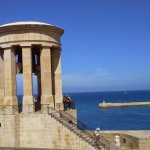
point(65, 102)
point(69, 101)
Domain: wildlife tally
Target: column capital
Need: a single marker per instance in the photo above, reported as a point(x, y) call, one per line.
point(56, 48)
point(25, 45)
point(9, 47)
point(45, 46)
point(6, 47)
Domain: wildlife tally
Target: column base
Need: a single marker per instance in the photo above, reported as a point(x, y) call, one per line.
point(28, 100)
point(58, 98)
point(10, 100)
point(59, 102)
point(10, 105)
point(2, 108)
point(28, 104)
point(1, 100)
point(47, 99)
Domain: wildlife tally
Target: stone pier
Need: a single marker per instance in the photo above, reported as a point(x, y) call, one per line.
point(107, 105)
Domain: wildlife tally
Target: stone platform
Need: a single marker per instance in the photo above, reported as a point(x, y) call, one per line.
point(107, 105)
point(130, 139)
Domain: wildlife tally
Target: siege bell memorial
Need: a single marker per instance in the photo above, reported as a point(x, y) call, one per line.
point(31, 48)
point(34, 48)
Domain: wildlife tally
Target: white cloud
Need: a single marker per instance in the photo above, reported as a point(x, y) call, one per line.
point(99, 77)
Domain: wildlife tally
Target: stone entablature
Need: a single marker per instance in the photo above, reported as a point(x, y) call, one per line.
point(29, 33)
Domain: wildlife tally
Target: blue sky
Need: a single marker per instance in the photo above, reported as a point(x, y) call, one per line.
point(106, 44)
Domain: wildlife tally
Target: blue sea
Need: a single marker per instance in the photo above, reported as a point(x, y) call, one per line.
point(116, 118)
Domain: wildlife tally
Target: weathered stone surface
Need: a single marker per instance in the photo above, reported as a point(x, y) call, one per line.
point(130, 139)
point(38, 131)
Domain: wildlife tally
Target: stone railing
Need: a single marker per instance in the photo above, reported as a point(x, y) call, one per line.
point(9, 109)
point(23, 109)
point(42, 109)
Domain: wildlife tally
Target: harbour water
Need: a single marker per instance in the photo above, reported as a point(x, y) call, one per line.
point(117, 118)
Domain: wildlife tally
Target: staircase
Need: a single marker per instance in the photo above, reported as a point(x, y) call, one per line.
point(81, 130)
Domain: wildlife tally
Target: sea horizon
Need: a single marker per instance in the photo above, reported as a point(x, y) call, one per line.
point(105, 91)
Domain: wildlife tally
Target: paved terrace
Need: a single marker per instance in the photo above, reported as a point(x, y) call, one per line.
point(141, 134)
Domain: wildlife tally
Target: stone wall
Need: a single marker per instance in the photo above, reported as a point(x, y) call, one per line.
point(7, 130)
point(144, 144)
point(38, 131)
point(127, 141)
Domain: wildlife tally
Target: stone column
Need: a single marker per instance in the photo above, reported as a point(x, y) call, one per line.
point(10, 77)
point(28, 100)
point(1, 78)
point(57, 78)
point(46, 81)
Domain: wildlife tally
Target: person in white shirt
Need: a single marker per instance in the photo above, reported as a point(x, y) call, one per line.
point(117, 141)
point(97, 133)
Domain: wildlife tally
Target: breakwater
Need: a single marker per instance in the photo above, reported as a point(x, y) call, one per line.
point(107, 105)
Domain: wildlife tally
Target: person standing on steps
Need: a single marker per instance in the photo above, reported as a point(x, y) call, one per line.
point(69, 101)
point(97, 133)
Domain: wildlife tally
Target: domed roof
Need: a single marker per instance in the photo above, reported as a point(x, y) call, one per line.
point(26, 23)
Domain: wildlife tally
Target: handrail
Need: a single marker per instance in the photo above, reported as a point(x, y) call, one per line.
point(87, 130)
point(83, 129)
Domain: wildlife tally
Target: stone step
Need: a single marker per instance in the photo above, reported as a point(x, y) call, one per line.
point(77, 132)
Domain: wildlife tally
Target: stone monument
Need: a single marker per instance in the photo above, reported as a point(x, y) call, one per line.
point(31, 48)
point(34, 48)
